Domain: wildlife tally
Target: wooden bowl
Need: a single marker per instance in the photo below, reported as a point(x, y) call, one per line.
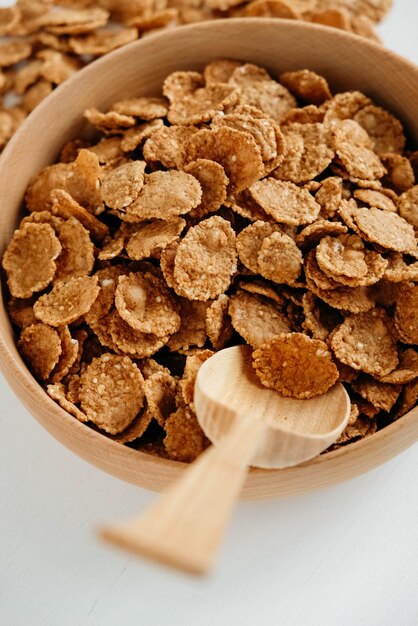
point(347, 61)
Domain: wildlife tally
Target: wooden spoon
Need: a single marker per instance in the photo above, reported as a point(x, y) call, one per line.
point(250, 425)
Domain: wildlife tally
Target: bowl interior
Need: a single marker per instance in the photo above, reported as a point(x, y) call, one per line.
point(347, 61)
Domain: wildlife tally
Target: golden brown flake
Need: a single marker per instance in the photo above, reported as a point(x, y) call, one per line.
point(400, 174)
point(160, 392)
point(64, 206)
point(192, 331)
point(202, 104)
point(144, 302)
point(407, 370)
point(406, 314)
point(366, 342)
point(107, 280)
point(109, 123)
point(376, 199)
point(112, 392)
point(102, 41)
point(68, 354)
point(166, 195)
point(235, 150)
point(218, 322)
point(67, 301)
point(320, 319)
point(184, 439)
point(187, 383)
point(295, 366)
point(121, 186)
point(135, 136)
point(77, 254)
point(384, 129)
point(21, 312)
point(256, 319)
point(307, 86)
point(213, 181)
point(260, 91)
point(220, 71)
point(14, 50)
point(149, 239)
point(285, 202)
point(125, 339)
point(389, 230)
point(167, 145)
point(408, 206)
point(312, 234)
point(308, 152)
point(145, 108)
point(355, 149)
point(29, 260)
point(57, 393)
point(40, 347)
point(398, 271)
point(279, 259)
point(382, 396)
point(250, 240)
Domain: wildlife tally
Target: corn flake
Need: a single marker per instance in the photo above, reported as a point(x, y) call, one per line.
point(285, 201)
point(40, 347)
point(256, 318)
point(184, 439)
point(218, 322)
point(213, 181)
point(67, 301)
point(295, 365)
point(307, 86)
point(77, 254)
point(279, 259)
point(121, 186)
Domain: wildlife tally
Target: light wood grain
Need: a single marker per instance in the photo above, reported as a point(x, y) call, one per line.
point(138, 69)
point(252, 425)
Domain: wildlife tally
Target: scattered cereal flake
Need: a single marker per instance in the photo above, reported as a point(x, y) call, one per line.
point(220, 71)
point(316, 276)
point(285, 202)
point(366, 342)
point(121, 186)
point(57, 393)
point(308, 152)
point(256, 319)
point(355, 149)
point(354, 300)
point(407, 370)
point(9, 19)
point(136, 428)
point(149, 239)
point(384, 129)
point(160, 392)
point(80, 336)
point(312, 234)
point(35, 94)
point(112, 392)
point(205, 260)
point(14, 50)
point(320, 319)
point(329, 196)
point(77, 254)
point(27, 75)
point(40, 347)
point(310, 114)
point(58, 67)
point(344, 255)
point(21, 312)
point(149, 367)
point(108, 150)
point(107, 280)
point(64, 206)
point(295, 365)
point(166, 195)
point(80, 179)
point(68, 354)
point(167, 145)
point(389, 230)
point(362, 427)
point(67, 301)
point(406, 318)
point(145, 108)
point(250, 240)
point(135, 136)
point(128, 340)
point(43, 217)
point(167, 258)
point(184, 439)
point(192, 331)
point(213, 181)
point(381, 395)
point(29, 259)
point(260, 91)
point(235, 150)
point(144, 302)
point(245, 206)
point(109, 123)
point(279, 259)
point(400, 174)
point(263, 288)
point(69, 21)
point(345, 106)
point(202, 104)
point(398, 271)
point(187, 383)
point(408, 206)
point(376, 199)
point(409, 399)
point(102, 41)
point(307, 86)
point(272, 8)
point(218, 322)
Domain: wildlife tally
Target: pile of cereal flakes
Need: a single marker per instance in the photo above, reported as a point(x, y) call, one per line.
point(44, 42)
point(234, 208)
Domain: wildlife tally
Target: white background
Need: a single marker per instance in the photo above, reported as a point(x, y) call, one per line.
point(343, 557)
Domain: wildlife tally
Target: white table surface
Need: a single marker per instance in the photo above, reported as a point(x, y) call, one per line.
point(346, 556)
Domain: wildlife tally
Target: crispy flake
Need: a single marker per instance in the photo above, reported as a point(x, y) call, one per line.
point(67, 301)
point(285, 202)
point(256, 318)
point(40, 347)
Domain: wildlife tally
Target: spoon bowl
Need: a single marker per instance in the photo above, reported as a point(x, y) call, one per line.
point(227, 389)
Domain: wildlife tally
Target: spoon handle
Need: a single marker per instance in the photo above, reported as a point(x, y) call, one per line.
point(184, 528)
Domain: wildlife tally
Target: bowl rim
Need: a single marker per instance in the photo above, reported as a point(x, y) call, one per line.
point(19, 376)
